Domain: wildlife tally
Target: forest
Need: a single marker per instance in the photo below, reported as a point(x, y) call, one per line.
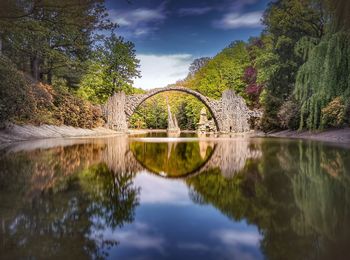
point(59, 61)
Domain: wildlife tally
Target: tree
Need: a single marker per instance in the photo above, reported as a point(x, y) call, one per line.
point(113, 67)
point(119, 61)
point(52, 39)
point(340, 10)
point(288, 21)
point(222, 72)
point(197, 64)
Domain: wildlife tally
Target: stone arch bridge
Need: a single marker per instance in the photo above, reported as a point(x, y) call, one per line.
point(230, 113)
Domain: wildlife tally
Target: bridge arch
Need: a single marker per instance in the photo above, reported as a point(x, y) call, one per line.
point(134, 101)
point(230, 113)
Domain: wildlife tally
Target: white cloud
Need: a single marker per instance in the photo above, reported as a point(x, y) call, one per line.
point(194, 11)
point(193, 246)
point(138, 22)
point(240, 4)
point(162, 70)
point(237, 20)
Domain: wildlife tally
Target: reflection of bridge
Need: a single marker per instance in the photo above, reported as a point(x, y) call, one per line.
point(230, 113)
point(228, 156)
point(68, 156)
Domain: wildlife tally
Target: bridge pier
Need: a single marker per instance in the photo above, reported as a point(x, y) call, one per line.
point(114, 111)
point(235, 113)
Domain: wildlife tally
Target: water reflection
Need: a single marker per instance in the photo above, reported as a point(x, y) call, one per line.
point(172, 159)
point(233, 199)
point(61, 210)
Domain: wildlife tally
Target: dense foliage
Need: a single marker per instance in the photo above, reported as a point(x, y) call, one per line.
point(322, 78)
point(23, 100)
point(223, 71)
point(57, 55)
point(51, 39)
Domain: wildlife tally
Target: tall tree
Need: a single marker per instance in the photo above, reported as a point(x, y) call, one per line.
point(113, 67)
point(288, 21)
point(323, 83)
point(49, 38)
point(119, 57)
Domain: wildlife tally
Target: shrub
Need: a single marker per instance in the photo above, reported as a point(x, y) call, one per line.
point(289, 114)
point(76, 112)
point(16, 100)
point(333, 115)
point(25, 101)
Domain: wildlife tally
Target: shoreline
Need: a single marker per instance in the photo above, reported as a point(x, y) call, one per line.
point(16, 133)
point(330, 135)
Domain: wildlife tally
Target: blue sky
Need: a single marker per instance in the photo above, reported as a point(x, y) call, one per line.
point(169, 34)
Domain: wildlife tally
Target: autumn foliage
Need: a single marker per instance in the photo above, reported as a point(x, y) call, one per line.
point(25, 101)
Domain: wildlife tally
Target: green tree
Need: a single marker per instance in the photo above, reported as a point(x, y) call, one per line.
point(119, 59)
point(224, 71)
point(113, 68)
point(316, 85)
point(288, 21)
point(51, 39)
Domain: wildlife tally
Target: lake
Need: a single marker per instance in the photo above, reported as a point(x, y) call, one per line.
point(177, 197)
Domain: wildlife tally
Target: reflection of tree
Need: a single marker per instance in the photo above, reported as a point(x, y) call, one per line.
point(113, 195)
point(68, 217)
point(174, 160)
point(300, 204)
point(322, 192)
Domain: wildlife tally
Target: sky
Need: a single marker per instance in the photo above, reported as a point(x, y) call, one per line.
point(170, 34)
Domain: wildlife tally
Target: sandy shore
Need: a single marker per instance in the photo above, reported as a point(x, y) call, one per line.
point(331, 135)
point(15, 133)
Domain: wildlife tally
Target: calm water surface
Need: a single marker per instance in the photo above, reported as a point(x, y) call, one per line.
point(147, 197)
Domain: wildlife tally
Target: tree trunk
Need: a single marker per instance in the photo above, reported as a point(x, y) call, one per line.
point(34, 65)
point(49, 77)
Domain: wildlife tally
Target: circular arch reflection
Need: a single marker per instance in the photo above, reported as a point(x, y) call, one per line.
point(173, 160)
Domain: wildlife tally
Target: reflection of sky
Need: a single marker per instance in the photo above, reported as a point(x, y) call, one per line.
point(168, 225)
point(156, 190)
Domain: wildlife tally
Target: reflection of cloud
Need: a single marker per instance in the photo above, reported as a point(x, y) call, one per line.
point(138, 236)
point(239, 244)
point(236, 20)
point(160, 190)
point(236, 237)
